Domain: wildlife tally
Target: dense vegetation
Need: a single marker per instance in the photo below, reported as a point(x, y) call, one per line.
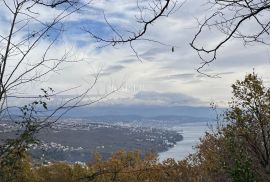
point(237, 150)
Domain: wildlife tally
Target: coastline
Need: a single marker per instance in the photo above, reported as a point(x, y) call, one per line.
point(191, 132)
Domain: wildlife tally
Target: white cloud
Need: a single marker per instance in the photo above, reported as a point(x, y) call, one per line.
point(161, 71)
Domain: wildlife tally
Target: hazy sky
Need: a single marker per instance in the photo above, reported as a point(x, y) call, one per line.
point(162, 76)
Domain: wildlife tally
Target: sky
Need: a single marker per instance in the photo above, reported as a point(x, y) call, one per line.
point(160, 76)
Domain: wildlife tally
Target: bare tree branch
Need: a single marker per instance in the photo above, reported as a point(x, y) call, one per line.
point(158, 9)
point(230, 17)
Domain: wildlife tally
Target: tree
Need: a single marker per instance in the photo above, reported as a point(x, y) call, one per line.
point(121, 166)
point(26, 29)
point(249, 117)
point(239, 148)
point(247, 20)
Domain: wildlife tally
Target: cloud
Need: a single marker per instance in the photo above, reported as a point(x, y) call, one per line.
point(127, 61)
point(183, 76)
point(112, 69)
point(166, 98)
point(172, 74)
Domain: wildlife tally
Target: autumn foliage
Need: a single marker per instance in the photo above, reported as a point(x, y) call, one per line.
point(238, 149)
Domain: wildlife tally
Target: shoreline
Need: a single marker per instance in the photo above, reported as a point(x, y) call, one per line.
point(191, 132)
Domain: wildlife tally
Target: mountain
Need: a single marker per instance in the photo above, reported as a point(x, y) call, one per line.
point(142, 111)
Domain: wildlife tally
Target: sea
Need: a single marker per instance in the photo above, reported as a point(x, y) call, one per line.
point(192, 132)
